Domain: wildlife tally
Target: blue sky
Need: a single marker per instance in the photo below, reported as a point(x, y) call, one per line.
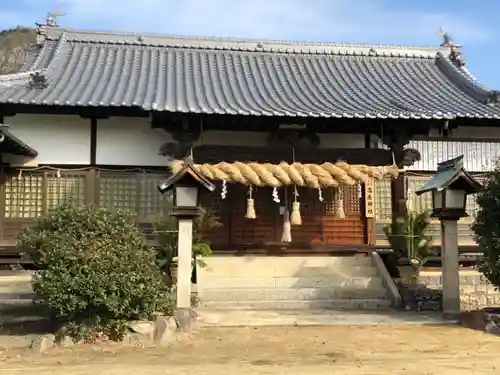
point(408, 22)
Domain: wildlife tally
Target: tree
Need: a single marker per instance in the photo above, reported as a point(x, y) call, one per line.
point(486, 227)
point(14, 44)
point(96, 271)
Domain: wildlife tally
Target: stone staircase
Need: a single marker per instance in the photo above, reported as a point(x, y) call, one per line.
point(291, 283)
point(15, 288)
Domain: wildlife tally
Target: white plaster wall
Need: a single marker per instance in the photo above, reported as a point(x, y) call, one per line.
point(59, 139)
point(129, 141)
point(132, 141)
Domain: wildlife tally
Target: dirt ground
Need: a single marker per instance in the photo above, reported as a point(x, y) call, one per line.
point(346, 350)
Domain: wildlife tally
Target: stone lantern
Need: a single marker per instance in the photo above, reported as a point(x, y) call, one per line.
point(187, 185)
point(449, 188)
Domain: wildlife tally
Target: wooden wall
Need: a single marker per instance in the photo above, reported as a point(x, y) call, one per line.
point(319, 224)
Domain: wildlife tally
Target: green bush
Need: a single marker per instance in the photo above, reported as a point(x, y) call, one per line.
point(165, 228)
point(486, 227)
point(408, 238)
point(96, 271)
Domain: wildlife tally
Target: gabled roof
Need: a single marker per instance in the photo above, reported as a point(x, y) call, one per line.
point(246, 77)
point(10, 144)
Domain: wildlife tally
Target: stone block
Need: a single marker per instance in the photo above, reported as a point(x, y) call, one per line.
point(473, 320)
point(165, 328)
point(142, 327)
point(492, 327)
point(185, 319)
point(43, 343)
point(64, 341)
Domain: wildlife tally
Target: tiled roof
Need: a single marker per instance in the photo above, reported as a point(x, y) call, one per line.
point(247, 77)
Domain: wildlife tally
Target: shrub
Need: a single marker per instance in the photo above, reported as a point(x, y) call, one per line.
point(486, 227)
point(166, 230)
point(96, 271)
point(408, 238)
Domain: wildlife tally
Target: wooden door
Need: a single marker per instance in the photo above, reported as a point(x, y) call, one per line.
point(320, 224)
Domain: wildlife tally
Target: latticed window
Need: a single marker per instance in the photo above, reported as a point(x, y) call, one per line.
point(133, 192)
point(65, 189)
point(31, 194)
point(24, 196)
point(383, 205)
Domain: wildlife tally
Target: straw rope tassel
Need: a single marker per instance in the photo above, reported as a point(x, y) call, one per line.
point(286, 233)
point(250, 206)
point(295, 218)
point(340, 214)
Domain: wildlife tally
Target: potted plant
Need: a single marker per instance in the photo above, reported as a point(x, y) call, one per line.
point(409, 240)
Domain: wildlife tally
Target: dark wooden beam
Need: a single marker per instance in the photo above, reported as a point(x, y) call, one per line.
point(367, 140)
point(93, 141)
point(216, 154)
point(255, 123)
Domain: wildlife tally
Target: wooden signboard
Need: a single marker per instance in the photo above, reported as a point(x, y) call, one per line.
point(370, 198)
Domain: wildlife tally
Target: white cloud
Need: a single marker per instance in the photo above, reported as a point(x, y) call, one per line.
point(369, 21)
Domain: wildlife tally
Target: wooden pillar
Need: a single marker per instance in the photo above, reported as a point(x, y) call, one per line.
point(397, 142)
point(92, 186)
point(93, 141)
point(398, 196)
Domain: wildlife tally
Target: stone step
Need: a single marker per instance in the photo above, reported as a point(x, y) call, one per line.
point(332, 304)
point(273, 266)
point(335, 281)
point(298, 294)
point(17, 296)
point(7, 277)
point(256, 272)
point(16, 287)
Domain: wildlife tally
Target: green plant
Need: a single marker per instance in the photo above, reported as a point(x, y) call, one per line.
point(408, 239)
point(96, 271)
point(486, 226)
point(166, 230)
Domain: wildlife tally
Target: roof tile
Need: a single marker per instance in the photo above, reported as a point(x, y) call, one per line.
point(249, 78)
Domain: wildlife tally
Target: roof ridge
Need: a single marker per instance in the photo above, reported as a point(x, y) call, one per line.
point(463, 78)
point(239, 44)
point(13, 79)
